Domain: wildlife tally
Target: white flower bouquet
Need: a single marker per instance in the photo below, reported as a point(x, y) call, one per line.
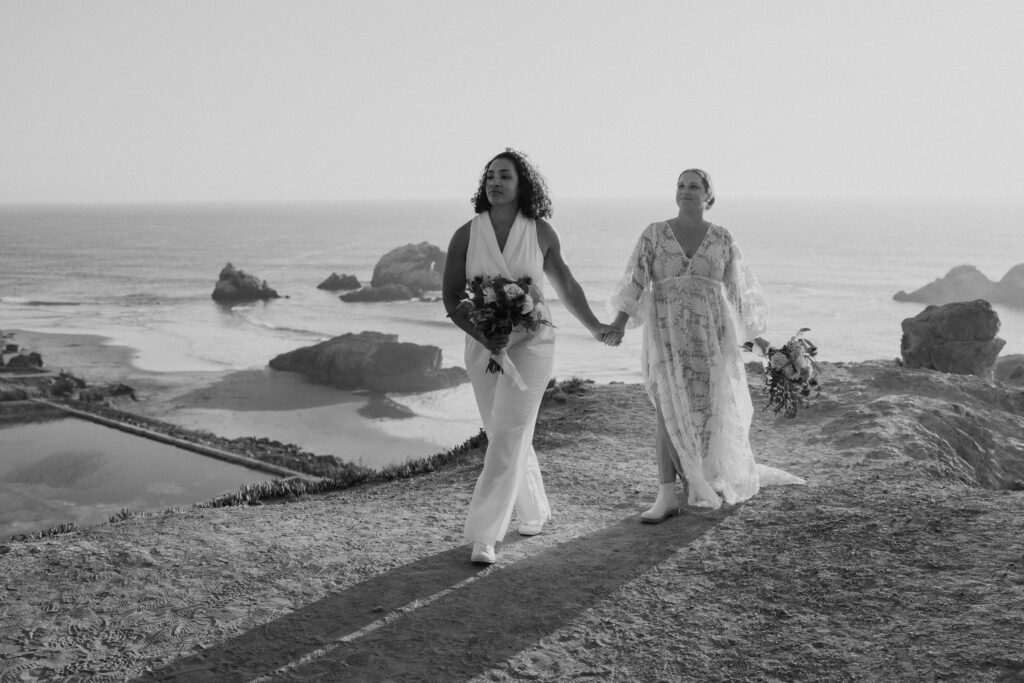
point(500, 305)
point(790, 379)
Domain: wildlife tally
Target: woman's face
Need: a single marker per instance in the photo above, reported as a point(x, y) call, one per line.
point(502, 182)
point(690, 190)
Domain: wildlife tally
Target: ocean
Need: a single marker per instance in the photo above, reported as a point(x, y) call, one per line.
point(143, 275)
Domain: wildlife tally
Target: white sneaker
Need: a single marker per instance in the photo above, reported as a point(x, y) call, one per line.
point(483, 554)
point(530, 528)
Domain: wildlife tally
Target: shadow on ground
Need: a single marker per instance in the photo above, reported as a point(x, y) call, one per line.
point(489, 616)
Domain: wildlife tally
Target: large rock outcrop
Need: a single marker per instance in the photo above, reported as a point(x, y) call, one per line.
point(417, 266)
point(403, 273)
point(967, 283)
point(959, 338)
point(374, 361)
point(235, 285)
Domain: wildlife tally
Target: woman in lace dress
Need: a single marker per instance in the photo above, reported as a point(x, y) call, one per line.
point(687, 285)
point(509, 237)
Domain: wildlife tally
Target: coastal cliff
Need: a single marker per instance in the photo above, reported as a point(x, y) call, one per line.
point(902, 547)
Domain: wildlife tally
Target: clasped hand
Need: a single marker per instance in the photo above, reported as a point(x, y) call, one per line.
point(607, 334)
point(610, 335)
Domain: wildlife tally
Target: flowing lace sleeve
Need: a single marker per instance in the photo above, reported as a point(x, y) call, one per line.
point(745, 293)
point(632, 294)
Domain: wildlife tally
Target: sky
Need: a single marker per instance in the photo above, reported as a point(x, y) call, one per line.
point(295, 100)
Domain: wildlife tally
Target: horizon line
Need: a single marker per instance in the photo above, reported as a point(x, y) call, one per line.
point(55, 203)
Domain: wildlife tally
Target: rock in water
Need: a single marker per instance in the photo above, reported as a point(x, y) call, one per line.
point(403, 273)
point(417, 266)
point(382, 293)
point(337, 282)
point(374, 361)
point(967, 283)
point(958, 338)
point(238, 286)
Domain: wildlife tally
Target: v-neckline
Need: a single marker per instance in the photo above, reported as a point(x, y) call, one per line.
point(689, 257)
point(497, 240)
point(494, 234)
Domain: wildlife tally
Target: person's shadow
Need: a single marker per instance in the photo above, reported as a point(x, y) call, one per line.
point(432, 620)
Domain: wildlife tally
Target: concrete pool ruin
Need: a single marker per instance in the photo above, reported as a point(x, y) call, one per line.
point(59, 465)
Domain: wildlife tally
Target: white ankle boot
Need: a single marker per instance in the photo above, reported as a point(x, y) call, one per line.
point(665, 505)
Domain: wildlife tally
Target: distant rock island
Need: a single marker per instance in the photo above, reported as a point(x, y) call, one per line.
point(237, 286)
point(967, 283)
point(337, 282)
point(404, 273)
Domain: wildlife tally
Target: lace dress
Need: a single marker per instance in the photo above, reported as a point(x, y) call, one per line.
point(511, 476)
point(696, 312)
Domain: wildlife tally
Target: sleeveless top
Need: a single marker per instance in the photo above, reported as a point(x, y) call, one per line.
point(522, 256)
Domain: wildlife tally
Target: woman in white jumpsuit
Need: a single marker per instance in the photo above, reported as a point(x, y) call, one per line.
point(509, 237)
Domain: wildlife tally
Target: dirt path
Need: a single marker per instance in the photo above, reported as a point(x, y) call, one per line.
point(878, 569)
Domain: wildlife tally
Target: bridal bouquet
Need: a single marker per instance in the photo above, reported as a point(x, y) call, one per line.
point(790, 377)
point(499, 304)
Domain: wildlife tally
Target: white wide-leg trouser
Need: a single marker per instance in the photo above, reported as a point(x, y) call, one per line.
point(511, 475)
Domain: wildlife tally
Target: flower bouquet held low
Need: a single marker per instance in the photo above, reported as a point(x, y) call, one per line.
point(790, 379)
point(498, 305)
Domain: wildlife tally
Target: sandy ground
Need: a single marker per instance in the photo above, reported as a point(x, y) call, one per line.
point(882, 568)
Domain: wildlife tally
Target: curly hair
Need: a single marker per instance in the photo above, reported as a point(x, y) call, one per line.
point(534, 201)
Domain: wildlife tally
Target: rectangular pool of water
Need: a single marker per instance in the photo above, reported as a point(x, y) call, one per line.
point(71, 470)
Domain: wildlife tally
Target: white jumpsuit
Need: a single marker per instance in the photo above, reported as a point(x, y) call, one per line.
point(511, 475)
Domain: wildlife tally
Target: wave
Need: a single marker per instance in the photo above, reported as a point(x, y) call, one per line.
point(144, 299)
point(134, 299)
point(436, 323)
point(18, 301)
point(242, 312)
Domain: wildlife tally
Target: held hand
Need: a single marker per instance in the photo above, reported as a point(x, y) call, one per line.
point(617, 330)
point(599, 331)
point(611, 335)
